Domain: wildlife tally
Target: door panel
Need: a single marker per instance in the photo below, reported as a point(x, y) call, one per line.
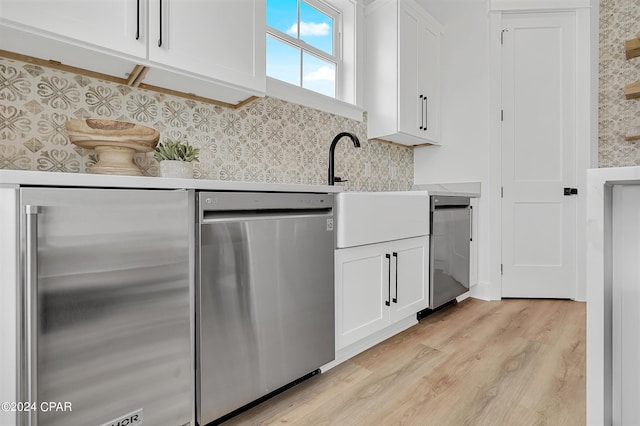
point(538, 155)
point(111, 24)
point(410, 110)
point(429, 78)
point(411, 270)
point(362, 283)
point(266, 307)
point(113, 305)
point(625, 393)
point(537, 225)
point(222, 39)
point(358, 275)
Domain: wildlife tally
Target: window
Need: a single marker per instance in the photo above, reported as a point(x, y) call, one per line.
point(303, 45)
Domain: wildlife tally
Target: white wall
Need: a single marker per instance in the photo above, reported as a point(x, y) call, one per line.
point(464, 154)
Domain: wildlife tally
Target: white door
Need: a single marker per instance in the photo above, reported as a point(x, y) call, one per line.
point(538, 155)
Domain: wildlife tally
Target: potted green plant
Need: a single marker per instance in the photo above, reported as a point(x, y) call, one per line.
point(176, 158)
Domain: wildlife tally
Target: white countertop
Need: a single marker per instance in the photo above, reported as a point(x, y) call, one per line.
point(614, 176)
point(462, 189)
point(22, 177)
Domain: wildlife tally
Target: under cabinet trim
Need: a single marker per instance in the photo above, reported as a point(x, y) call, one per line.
point(134, 80)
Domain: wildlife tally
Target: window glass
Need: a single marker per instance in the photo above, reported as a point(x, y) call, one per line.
point(316, 28)
point(283, 62)
point(301, 37)
point(318, 75)
point(283, 15)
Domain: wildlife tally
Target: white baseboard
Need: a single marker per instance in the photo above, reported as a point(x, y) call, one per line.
point(481, 291)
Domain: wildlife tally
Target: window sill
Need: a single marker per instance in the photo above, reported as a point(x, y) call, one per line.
point(290, 93)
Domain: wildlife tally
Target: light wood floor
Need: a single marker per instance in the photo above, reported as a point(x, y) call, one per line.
point(510, 362)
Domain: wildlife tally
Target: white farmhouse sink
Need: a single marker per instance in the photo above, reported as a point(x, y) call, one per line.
point(375, 217)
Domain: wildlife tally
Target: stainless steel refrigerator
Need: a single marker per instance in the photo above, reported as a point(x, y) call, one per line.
point(106, 312)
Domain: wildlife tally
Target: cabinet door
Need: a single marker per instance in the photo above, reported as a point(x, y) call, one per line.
point(409, 293)
point(118, 25)
point(218, 39)
point(411, 114)
point(403, 48)
point(429, 77)
point(362, 291)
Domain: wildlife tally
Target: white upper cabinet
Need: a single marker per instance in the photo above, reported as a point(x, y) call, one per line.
point(219, 39)
point(211, 48)
point(403, 73)
point(118, 25)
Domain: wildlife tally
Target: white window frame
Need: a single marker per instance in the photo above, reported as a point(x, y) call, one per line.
point(348, 49)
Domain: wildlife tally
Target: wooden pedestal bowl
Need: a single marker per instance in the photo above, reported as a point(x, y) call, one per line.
point(115, 142)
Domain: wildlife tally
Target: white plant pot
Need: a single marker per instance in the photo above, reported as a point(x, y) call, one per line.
point(176, 169)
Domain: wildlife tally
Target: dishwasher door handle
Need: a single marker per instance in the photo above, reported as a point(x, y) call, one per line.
point(271, 214)
point(388, 301)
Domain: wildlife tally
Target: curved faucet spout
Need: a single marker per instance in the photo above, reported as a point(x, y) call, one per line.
point(356, 144)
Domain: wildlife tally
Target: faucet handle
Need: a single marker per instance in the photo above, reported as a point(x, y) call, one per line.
point(339, 179)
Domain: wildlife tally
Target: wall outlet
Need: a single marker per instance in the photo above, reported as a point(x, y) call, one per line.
point(367, 169)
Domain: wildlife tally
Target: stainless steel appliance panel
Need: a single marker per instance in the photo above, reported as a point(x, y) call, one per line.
point(266, 296)
point(107, 305)
point(450, 248)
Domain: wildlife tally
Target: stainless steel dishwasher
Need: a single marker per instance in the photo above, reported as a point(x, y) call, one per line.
point(449, 248)
point(265, 295)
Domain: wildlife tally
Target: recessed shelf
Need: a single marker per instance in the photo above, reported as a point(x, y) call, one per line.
point(632, 91)
point(632, 47)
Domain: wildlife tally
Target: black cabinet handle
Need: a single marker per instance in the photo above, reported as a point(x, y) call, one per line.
point(470, 223)
point(138, 20)
point(160, 38)
point(570, 191)
point(388, 301)
point(421, 113)
point(426, 113)
point(395, 299)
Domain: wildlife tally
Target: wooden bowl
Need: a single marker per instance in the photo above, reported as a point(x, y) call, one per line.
point(115, 142)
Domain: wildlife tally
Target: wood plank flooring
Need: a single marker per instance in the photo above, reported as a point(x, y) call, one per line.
point(510, 362)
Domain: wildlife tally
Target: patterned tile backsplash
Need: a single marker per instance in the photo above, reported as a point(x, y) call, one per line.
point(267, 140)
point(619, 21)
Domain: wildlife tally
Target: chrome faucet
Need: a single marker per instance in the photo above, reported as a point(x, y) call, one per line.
point(356, 143)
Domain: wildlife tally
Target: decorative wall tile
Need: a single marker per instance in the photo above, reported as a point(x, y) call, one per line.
point(267, 140)
point(14, 85)
point(619, 21)
point(58, 92)
point(14, 158)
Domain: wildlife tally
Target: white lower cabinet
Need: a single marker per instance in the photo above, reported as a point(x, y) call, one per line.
point(378, 285)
